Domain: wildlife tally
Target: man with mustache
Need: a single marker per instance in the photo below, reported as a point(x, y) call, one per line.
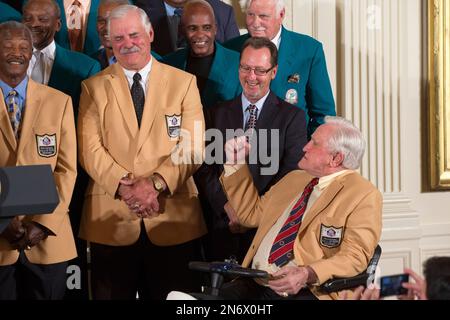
point(215, 67)
point(302, 77)
point(36, 127)
point(141, 214)
point(165, 18)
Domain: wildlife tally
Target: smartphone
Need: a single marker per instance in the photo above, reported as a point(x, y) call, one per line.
point(392, 285)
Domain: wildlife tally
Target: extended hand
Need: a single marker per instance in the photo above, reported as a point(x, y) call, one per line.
point(289, 280)
point(236, 150)
point(416, 289)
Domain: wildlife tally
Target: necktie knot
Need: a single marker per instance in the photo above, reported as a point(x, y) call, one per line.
point(12, 94)
point(178, 12)
point(137, 77)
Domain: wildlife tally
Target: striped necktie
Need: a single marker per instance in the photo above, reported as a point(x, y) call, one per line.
point(282, 248)
point(15, 115)
point(75, 27)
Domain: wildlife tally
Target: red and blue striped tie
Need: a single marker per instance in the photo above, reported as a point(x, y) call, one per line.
point(282, 248)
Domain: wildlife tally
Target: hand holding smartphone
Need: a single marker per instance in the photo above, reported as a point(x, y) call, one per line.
point(392, 285)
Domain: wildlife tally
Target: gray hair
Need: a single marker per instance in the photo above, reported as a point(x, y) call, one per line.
point(14, 25)
point(279, 5)
point(122, 11)
point(348, 140)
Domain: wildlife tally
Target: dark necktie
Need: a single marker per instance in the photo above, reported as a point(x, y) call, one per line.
point(137, 94)
point(282, 248)
point(251, 122)
point(180, 43)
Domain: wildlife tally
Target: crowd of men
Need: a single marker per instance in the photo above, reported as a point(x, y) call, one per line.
point(117, 95)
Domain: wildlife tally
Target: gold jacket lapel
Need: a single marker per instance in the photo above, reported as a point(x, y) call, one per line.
point(155, 86)
point(5, 124)
point(322, 202)
point(121, 90)
point(32, 108)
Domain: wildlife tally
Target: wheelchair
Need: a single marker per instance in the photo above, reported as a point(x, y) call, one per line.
point(230, 269)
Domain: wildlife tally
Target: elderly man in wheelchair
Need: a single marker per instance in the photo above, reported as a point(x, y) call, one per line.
point(319, 223)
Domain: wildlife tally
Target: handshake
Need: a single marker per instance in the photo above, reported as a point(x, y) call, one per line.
point(141, 194)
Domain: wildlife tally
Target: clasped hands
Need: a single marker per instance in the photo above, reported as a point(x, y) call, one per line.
point(140, 196)
point(289, 280)
point(23, 235)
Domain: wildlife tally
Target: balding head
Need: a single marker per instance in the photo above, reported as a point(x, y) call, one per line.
point(199, 27)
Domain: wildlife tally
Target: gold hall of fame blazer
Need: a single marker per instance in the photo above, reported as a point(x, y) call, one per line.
point(47, 137)
point(111, 144)
point(350, 206)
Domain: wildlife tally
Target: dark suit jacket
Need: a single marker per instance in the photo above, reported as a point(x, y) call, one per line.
point(301, 67)
point(276, 114)
point(8, 13)
point(223, 80)
point(155, 9)
point(91, 41)
point(69, 69)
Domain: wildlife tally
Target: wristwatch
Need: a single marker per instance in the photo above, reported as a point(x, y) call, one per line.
point(157, 183)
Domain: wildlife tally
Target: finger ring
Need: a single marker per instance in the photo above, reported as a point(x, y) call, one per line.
point(136, 205)
point(27, 247)
point(284, 294)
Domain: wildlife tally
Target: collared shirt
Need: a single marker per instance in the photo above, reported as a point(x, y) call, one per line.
point(85, 9)
point(170, 11)
point(261, 258)
point(277, 39)
point(49, 53)
point(144, 72)
point(259, 106)
point(21, 90)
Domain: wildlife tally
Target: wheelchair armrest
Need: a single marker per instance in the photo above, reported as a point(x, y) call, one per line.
point(362, 279)
point(226, 268)
point(338, 284)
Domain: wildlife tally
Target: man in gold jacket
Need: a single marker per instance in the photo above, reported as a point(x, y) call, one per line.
point(36, 127)
point(313, 225)
point(140, 131)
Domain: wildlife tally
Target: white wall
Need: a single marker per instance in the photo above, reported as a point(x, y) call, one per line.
point(374, 54)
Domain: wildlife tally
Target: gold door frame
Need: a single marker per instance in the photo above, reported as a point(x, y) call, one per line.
point(439, 94)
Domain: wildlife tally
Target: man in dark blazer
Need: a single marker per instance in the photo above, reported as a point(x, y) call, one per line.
point(302, 77)
point(8, 13)
point(63, 70)
point(215, 67)
point(156, 10)
point(91, 41)
point(258, 66)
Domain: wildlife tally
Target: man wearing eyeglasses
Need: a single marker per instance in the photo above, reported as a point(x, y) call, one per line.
point(262, 114)
point(302, 77)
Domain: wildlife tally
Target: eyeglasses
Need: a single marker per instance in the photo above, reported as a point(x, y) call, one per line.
point(257, 71)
